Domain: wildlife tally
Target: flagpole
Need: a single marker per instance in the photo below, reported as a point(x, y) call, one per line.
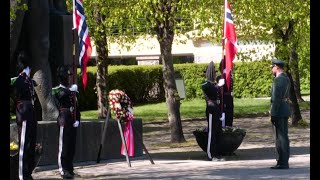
point(74, 69)
point(223, 26)
point(222, 59)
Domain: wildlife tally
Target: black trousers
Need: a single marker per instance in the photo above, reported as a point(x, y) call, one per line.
point(282, 140)
point(67, 144)
point(228, 109)
point(214, 131)
point(27, 132)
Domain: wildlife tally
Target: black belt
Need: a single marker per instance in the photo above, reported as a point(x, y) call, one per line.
point(285, 100)
point(71, 109)
point(22, 101)
point(214, 102)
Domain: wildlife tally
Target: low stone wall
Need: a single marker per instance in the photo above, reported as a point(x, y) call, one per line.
point(88, 140)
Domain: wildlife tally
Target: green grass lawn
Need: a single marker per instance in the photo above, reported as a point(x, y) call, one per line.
point(195, 109)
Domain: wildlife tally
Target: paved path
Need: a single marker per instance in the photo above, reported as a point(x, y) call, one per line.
point(241, 166)
point(251, 160)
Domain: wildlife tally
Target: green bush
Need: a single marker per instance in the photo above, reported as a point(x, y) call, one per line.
point(252, 79)
point(144, 84)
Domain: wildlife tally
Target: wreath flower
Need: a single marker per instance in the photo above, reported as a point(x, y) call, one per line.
point(120, 104)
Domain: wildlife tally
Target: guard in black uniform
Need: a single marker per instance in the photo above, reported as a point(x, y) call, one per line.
point(26, 122)
point(227, 98)
point(68, 121)
point(211, 92)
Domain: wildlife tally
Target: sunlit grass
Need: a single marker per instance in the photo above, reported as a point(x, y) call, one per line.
point(195, 108)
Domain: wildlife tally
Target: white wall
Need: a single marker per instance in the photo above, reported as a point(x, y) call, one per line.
point(204, 51)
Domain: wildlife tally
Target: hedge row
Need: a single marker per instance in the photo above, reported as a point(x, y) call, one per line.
point(144, 84)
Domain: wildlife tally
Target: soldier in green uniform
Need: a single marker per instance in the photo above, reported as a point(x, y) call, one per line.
point(68, 121)
point(280, 112)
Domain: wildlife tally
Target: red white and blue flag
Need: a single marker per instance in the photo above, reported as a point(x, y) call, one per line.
point(79, 23)
point(230, 41)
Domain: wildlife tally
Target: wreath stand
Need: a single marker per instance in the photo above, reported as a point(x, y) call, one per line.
point(122, 138)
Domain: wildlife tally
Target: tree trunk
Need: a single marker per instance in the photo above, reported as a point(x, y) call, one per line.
point(102, 72)
point(37, 44)
point(102, 68)
point(165, 37)
point(295, 114)
point(282, 38)
point(171, 94)
point(294, 64)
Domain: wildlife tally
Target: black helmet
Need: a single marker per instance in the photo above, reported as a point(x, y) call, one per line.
point(23, 60)
point(63, 72)
point(211, 72)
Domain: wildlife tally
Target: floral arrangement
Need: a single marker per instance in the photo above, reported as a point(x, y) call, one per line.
point(233, 130)
point(120, 104)
point(13, 146)
point(227, 130)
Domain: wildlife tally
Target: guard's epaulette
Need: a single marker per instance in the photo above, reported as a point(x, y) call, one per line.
point(55, 90)
point(13, 80)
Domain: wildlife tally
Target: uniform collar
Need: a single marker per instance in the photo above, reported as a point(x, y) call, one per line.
point(60, 85)
point(27, 71)
point(279, 73)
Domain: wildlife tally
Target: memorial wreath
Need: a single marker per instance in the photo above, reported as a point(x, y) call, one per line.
point(121, 105)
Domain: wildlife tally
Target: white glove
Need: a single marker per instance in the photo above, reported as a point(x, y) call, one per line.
point(76, 124)
point(223, 120)
point(221, 82)
point(130, 110)
point(74, 87)
point(222, 117)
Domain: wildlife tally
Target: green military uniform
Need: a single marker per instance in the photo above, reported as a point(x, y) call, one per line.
point(280, 112)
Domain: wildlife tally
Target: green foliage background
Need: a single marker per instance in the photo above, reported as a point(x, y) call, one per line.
point(143, 84)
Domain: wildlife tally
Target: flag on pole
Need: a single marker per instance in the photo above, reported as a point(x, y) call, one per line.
point(230, 41)
point(79, 23)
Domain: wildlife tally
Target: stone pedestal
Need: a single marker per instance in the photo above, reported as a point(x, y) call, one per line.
point(87, 143)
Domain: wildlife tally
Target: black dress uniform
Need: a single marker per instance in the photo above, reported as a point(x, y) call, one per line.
point(212, 93)
point(280, 112)
point(66, 101)
point(26, 122)
point(227, 100)
point(227, 97)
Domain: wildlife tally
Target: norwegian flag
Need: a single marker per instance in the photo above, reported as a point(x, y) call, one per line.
point(230, 41)
point(79, 23)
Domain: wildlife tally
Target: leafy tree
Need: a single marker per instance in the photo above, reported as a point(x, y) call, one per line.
point(161, 17)
point(107, 22)
point(286, 23)
point(123, 22)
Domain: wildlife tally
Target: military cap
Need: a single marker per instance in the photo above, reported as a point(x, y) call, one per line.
point(278, 62)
